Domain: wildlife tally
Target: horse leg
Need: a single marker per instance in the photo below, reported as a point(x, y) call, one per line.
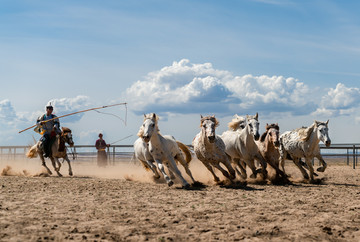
point(183, 162)
point(44, 163)
point(263, 163)
point(311, 169)
point(282, 163)
point(162, 170)
point(54, 165)
point(231, 170)
point(302, 170)
point(251, 164)
point(171, 174)
point(68, 161)
point(177, 172)
point(209, 167)
point(324, 165)
point(151, 165)
point(241, 166)
point(225, 173)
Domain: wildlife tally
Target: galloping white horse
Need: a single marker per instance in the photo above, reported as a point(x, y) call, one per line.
point(142, 153)
point(210, 149)
point(163, 149)
point(58, 150)
point(240, 145)
point(304, 142)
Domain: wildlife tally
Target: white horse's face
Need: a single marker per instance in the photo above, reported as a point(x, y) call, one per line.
point(323, 133)
point(208, 128)
point(253, 124)
point(149, 127)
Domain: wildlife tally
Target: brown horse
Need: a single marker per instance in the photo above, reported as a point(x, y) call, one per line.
point(268, 145)
point(58, 150)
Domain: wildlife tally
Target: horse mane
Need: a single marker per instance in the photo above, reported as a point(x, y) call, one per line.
point(66, 130)
point(211, 118)
point(305, 132)
point(268, 127)
point(152, 116)
point(234, 123)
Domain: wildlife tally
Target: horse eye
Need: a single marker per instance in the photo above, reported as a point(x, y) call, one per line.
point(152, 125)
point(250, 125)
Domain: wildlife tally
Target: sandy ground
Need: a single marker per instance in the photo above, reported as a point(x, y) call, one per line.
point(124, 203)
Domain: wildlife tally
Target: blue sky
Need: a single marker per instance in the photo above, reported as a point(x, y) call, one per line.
point(291, 61)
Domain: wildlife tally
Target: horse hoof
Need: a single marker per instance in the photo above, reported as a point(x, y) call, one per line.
point(321, 169)
point(170, 183)
point(59, 174)
point(156, 177)
point(70, 173)
point(187, 186)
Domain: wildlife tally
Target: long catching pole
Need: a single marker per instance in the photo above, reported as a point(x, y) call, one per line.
point(75, 113)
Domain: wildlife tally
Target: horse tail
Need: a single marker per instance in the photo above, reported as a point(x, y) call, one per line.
point(186, 150)
point(32, 152)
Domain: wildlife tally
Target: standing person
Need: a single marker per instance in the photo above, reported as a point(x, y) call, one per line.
point(101, 152)
point(48, 129)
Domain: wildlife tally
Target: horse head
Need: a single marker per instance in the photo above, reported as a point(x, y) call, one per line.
point(237, 123)
point(67, 136)
point(208, 125)
point(274, 135)
point(253, 123)
point(148, 127)
point(323, 132)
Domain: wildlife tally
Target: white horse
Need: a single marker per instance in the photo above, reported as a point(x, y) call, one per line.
point(240, 146)
point(58, 150)
point(210, 149)
point(163, 149)
point(304, 142)
point(142, 153)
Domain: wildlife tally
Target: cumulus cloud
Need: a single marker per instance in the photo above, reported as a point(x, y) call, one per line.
point(64, 106)
point(7, 112)
point(341, 100)
point(184, 87)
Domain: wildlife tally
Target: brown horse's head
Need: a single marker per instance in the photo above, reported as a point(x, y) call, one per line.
point(272, 134)
point(67, 136)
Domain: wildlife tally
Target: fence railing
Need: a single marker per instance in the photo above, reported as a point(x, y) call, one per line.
point(120, 152)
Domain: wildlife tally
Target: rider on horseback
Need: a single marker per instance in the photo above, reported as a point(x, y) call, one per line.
point(48, 129)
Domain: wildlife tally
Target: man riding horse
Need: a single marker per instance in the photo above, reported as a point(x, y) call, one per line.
point(48, 129)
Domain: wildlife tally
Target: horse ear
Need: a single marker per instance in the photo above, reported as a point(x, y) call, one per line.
point(327, 122)
point(153, 115)
point(213, 116)
point(201, 116)
point(316, 123)
point(256, 116)
point(144, 115)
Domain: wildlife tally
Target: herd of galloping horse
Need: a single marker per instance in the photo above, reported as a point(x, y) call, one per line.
point(238, 147)
point(231, 153)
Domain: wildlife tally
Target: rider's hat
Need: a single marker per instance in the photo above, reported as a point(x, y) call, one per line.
point(49, 106)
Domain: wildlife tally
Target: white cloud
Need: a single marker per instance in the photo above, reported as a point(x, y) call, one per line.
point(184, 87)
point(339, 101)
point(64, 106)
point(7, 112)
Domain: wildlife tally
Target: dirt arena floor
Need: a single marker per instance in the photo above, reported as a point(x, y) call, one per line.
point(124, 203)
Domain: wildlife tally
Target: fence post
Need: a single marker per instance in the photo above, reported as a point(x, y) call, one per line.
point(347, 156)
point(354, 156)
point(113, 155)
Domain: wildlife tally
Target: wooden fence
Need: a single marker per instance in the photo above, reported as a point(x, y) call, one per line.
point(350, 152)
